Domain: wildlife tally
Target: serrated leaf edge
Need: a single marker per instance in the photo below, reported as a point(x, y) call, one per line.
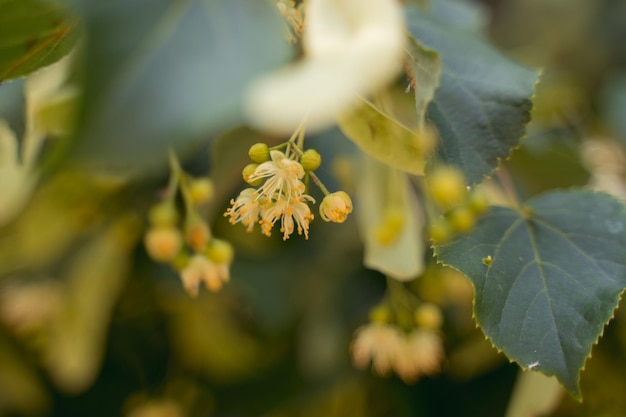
point(577, 396)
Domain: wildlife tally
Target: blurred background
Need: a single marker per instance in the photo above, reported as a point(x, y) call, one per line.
point(90, 325)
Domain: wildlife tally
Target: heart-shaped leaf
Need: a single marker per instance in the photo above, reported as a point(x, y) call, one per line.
point(163, 74)
point(33, 34)
point(468, 15)
point(483, 101)
point(547, 277)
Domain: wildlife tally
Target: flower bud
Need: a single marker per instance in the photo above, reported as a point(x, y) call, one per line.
point(259, 153)
point(201, 190)
point(478, 201)
point(163, 243)
point(248, 171)
point(380, 314)
point(163, 214)
point(220, 252)
point(440, 231)
point(197, 232)
point(429, 315)
point(311, 160)
point(446, 185)
point(462, 219)
point(335, 207)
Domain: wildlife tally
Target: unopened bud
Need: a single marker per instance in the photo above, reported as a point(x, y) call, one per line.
point(197, 232)
point(462, 219)
point(478, 201)
point(446, 185)
point(429, 315)
point(380, 314)
point(201, 190)
point(247, 173)
point(335, 207)
point(163, 214)
point(163, 243)
point(220, 252)
point(259, 153)
point(440, 231)
point(311, 160)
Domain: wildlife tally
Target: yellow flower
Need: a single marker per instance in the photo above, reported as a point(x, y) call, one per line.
point(163, 243)
point(245, 209)
point(280, 197)
point(350, 48)
point(201, 270)
point(201, 190)
point(292, 213)
point(378, 343)
point(420, 354)
point(282, 177)
point(335, 207)
point(390, 349)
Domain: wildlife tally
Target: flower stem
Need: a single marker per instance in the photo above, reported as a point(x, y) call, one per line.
point(172, 185)
point(179, 179)
point(319, 183)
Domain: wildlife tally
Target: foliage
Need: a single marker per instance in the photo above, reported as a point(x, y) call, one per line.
point(547, 277)
point(34, 34)
point(149, 292)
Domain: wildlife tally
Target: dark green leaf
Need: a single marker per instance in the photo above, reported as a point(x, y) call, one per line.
point(483, 101)
point(462, 14)
point(33, 34)
point(162, 73)
point(555, 274)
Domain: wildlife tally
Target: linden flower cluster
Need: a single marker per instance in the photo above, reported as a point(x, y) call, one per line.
point(410, 347)
point(191, 250)
point(281, 194)
point(389, 348)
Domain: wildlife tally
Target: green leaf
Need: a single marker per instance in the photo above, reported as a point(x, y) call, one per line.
point(483, 101)
point(462, 14)
point(162, 73)
point(33, 34)
point(384, 138)
point(556, 270)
